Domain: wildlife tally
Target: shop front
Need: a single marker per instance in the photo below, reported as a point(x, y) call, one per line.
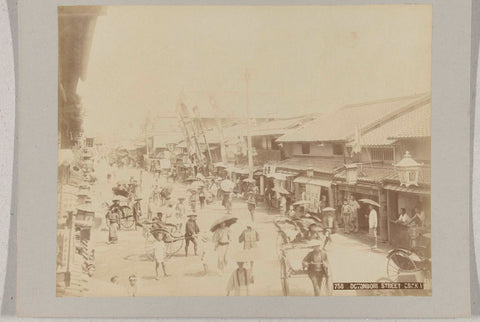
point(364, 190)
point(408, 198)
point(282, 184)
point(313, 189)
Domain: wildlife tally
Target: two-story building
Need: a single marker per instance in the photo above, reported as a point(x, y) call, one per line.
point(320, 160)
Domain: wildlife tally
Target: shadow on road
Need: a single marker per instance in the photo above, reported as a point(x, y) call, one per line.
point(137, 258)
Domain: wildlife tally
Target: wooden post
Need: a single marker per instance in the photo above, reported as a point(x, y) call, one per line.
point(383, 218)
point(249, 137)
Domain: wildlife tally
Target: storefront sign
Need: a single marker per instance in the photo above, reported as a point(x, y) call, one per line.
point(312, 194)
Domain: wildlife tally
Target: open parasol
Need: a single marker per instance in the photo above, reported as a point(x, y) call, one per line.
point(370, 202)
point(195, 185)
point(228, 220)
point(302, 203)
point(227, 185)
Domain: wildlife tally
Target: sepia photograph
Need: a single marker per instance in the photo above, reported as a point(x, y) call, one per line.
point(244, 151)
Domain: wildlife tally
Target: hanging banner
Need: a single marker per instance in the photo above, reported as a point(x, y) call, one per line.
point(312, 194)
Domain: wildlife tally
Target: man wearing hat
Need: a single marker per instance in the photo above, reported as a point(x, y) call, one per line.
point(318, 268)
point(191, 230)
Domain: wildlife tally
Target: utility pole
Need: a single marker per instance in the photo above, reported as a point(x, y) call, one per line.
point(249, 137)
point(223, 150)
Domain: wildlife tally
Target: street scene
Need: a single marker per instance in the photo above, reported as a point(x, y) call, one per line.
point(210, 162)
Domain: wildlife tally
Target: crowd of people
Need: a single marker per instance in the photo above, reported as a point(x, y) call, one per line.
point(171, 217)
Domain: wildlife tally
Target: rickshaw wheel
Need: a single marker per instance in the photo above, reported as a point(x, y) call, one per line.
point(393, 271)
point(127, 221)
point(280, 241)
point(174, 247)
point(149, 247)
point(284, 277)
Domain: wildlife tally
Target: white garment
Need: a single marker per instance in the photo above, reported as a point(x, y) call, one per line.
point(159, 251)
point(403, 218)
point(372, 219)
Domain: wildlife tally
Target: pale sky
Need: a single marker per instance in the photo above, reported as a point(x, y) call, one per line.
point(305, 59)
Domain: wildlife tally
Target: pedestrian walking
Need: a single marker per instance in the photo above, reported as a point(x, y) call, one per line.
point(355, 207)
point(193, 200)
point(346, 216)
point(214, 190)
point(137, 212)
point(204, 251)
point(318, 268)
point(159, 253)
point(251, 204)
point(372, 224)
point(239, 281)
point(191, 230)
point(283, 205)
point(180, 212)
point(249, 237)
point(201, 198)
point(268, 196)
point(113, 222)
point(221, 239)
point(227, 202)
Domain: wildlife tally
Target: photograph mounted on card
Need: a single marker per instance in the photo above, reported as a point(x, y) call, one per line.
point(244, 155)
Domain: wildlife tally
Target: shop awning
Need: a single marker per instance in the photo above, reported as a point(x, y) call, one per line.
point(238, 170)
point(281, 190)
point(320, 182)
point(302, 180)
point(411, 189)
point(281, 176)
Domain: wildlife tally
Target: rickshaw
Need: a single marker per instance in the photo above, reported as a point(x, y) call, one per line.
point(292, 245)
point(175, 239)
point(410, 265)
point(127, 221)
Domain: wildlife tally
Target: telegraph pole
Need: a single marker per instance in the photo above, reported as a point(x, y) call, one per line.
point(249, 137)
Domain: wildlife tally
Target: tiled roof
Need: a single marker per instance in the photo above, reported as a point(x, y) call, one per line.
point(340, 125)
point(278, 127)
point(370, 173)
point(384, 173)
point(414, 123)
point(418, 128)
point(323, 165)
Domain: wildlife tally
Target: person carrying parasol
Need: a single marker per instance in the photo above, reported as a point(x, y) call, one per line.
point(221, 238)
